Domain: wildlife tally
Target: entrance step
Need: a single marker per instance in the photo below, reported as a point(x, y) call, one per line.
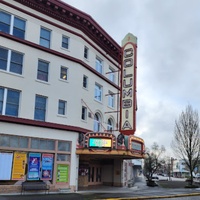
point(64, 190)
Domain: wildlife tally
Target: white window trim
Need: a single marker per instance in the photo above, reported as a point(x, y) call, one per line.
point(86, 111)
point(99, 61)
point(99, 91)
point(111, 100)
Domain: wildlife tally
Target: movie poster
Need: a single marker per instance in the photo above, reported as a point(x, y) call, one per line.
point(62, 173)
point(34, 166)
point(47, 166)
point(19, 166)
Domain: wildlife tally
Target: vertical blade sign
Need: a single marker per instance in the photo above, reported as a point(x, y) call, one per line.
point(128, 85)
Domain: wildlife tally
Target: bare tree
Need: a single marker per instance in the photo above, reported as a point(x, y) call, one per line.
point(153, 160)
point(186, 139)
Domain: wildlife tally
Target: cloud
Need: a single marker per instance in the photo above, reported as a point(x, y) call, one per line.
point(168, 69)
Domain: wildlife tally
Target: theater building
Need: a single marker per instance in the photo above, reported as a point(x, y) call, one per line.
point(67, 99)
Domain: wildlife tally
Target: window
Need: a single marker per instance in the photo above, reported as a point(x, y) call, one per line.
point(84, 113)
point(63, 157)
point(85, 81)
point(110, 125)
point(98, 92)
point(64, 146)
point(3, 58)
point(12, 25)
point(19, 28)
point(43, 70)
point(64, 73)
point(65, 42)
point(97, 122)
point(43, 144)
point(5, 20)
point(111, 99)
point(9, 102)
point(62, 107)
point(11, 61)
point(86, 50)
point(40, 108)
point(111, 75)
point(99, 66)
point(13, 141)
point(45, 36)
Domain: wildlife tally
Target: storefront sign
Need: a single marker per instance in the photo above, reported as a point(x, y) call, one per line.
point(5, 165)
point(62, 173)
point(47, 166)
point(19, 166)
point(100, 142)
point(136, 146)
point(34, 166)
point(128, 86)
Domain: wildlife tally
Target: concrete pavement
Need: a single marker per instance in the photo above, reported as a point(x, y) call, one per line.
point(166, 189)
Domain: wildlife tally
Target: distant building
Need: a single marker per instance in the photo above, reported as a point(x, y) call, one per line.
point(179, 169)
point(60, 85)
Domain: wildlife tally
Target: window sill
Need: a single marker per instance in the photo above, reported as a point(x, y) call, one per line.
point(63, 80)
point(62, 116)
point(86, 59)
point(11, 73)
point(44, 82)
point(98, 101)
point(111, 107)
point(85, 88)
point(65, 49)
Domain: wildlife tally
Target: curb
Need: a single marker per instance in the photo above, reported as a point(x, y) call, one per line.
point(153, 197)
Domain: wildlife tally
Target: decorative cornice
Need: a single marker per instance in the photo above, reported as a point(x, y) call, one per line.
point(69, 15)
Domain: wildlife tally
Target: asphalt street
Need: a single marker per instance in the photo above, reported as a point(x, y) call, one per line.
point(164, 190)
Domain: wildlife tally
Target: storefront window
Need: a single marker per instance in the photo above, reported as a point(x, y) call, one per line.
point(4, 141)
point(13, 141)
point(64, 146)
point(63, 157)
point(23, 142)
point(42, 144)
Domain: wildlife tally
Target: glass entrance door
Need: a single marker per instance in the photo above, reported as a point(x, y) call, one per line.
point(94, 175)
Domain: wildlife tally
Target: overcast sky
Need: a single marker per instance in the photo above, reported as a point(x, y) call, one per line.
point(168, 62)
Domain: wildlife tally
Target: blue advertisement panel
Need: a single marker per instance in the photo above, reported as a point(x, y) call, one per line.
point(34, 166)
point(47, 166)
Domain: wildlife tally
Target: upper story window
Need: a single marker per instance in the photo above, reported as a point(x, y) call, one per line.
point(85, 81)
point(62, 107)
point(97, 122)
point(111, 75)
point(9, 102)
point(84, 113)
point(40, 108)
point(111, 100)
point(99, 65)
point(43, 70)
point(110, 125)
point(64, 73)
point(65, 42)
point(45, 37)
point(98, 92)
point(12, 25)
point(86, 51)
point(11, 61)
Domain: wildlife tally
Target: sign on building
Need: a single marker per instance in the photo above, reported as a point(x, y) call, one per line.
point(128, 85)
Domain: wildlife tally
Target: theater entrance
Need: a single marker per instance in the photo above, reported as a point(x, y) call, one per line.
point(95, 175)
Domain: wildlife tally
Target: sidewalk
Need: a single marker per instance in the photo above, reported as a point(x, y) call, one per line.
point(140, 190)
